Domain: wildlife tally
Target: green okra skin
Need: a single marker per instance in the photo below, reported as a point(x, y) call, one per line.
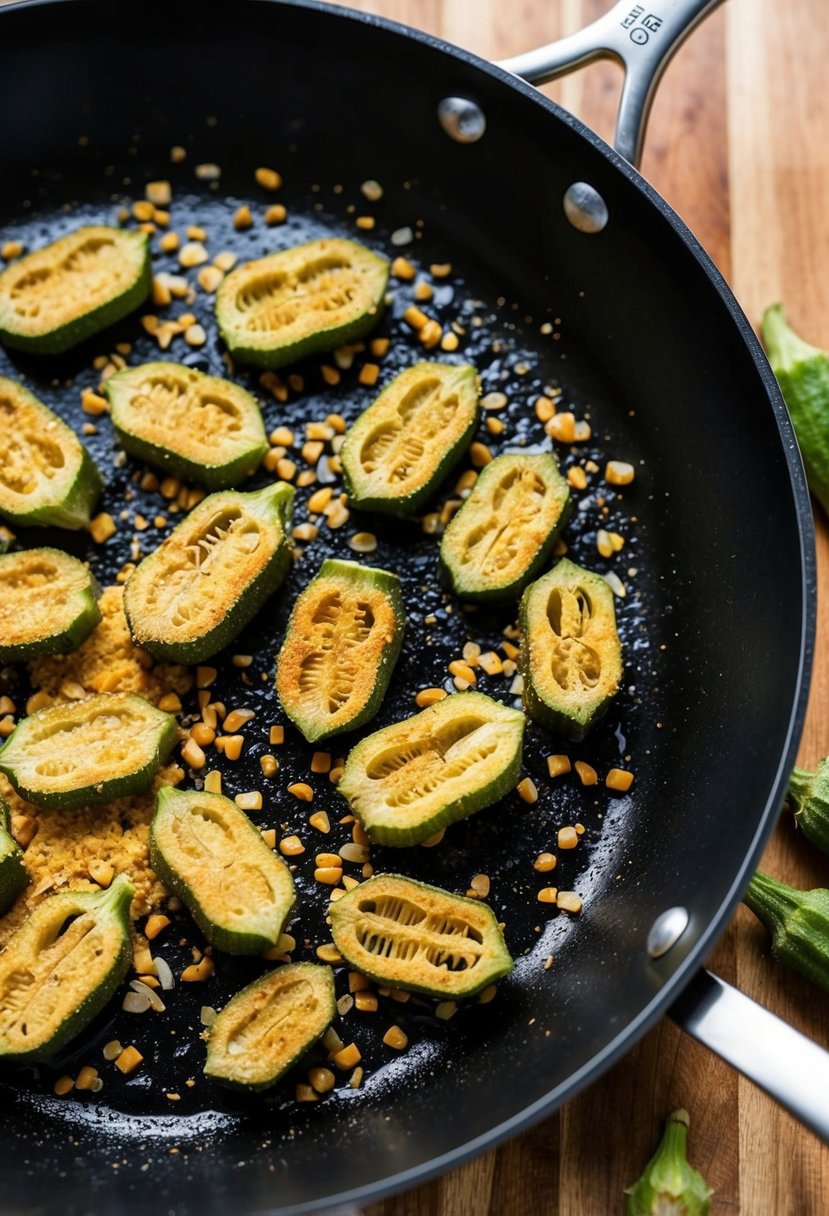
point(208, 853)
point(183, 422)
point(301, 301)
point(798, 922)
point(77, 755)
point(61, 483)
point(808, 797)
point(212, 574)
point(48, 603)
point(57, 296)
point(669, 1185)
point(13, 873)
point(802, 372)
point(400, 449)
point(269, 1025)
point(341, 645)
point(61, 967)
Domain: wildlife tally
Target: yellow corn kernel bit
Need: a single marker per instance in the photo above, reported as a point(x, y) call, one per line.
point(92, 403)
point(619, 780)
point(276, 735)
point(328, 953)
point(101, 528)
point(321, 762)
point(321, 1079)
point(213, 782)
point(402, 268)
point(329, 876)
point(268, 179)
point(63, 1086)
point(86, 1077)
point(369, 374)
point(232, 745)
point(291, 846)
point(197, 973)
point(128, 1060)
point(192, 754)
point(396, 1038)
point(428, 696)
point(320, 821)
point(155, 924)
point(568, 901)
point(567, 838)
point(558, 765)
point(415, 318)
point(301, 790)
point(191, 254)
point(347, 1057)
point(365, 222)
point(11, 249)
point(619, 473)
point(305, 1093)
point(251, 800)
point(547, 895)
point(449, 342)
point(275, 214)
point(577, 478)
point(269, 765)
point(480, 455)
point(545, 862)
point(527, 790)
point(242, 218)
point(586, 772)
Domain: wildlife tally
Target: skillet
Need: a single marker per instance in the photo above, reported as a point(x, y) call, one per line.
point(641, 334)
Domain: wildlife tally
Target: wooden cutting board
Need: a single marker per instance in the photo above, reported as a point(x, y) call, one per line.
point(739, 145)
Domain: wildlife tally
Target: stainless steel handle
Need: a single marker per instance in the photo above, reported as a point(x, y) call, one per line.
point(772, 1054)
point(642, 37)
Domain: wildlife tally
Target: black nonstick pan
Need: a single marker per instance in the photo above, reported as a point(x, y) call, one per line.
point(597, 295)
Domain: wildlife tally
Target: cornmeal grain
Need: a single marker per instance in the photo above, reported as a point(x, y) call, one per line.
point(108, 661)
point(66, 844)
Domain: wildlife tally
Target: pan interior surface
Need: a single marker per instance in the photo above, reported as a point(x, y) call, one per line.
point(638, 336)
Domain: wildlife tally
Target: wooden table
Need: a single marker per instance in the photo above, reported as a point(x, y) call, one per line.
point(739, 145)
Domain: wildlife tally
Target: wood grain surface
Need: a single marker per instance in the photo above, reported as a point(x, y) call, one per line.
point(739, 145)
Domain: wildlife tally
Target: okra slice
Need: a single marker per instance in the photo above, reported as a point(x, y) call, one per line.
point(341, 645)
point(407, 781)
point(208, 853)
point(310, 298)
point(13, 873)
point(61, 968)
point(407, 934)
point(55, 297)
point(85, 752)
point(571, 657)
point(505, 531)
point(400, 449)
point(267, 1026)
point(48, 603)
point(47, 477)
point(211, 575)
point(187, 424)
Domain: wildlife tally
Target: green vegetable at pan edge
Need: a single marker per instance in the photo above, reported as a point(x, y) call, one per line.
point(669, 1185)
point(802, 372)
point(798, 922)
point(808, 796)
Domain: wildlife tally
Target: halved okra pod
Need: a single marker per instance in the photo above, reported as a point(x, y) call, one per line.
point(55, 297)
point(571, 658)
point(48, 603)
point(47, 477)
point(310, 298)
point(208, 853)
point(400, 449)
point(506, 529)
point(61, 968)
point(13, 873)
point(407, 934)
point(269, 1025)
point(188, 424)
point(407, 781)
point(86, 752)
point(211, 575)
point(340, 648)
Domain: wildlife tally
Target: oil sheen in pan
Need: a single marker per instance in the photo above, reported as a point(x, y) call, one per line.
point(516, 355)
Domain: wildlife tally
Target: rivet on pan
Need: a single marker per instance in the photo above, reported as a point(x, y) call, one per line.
point(461, 119)
point(666, 931)
point(585, 208)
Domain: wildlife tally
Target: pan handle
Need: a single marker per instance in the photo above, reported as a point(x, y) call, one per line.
point(642, 37)
point(793, 1069)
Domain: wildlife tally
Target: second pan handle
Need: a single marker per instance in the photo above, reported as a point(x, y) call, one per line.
point(793, 1069)
point(641, 36)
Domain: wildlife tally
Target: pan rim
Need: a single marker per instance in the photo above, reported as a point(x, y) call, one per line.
point(674, 983)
